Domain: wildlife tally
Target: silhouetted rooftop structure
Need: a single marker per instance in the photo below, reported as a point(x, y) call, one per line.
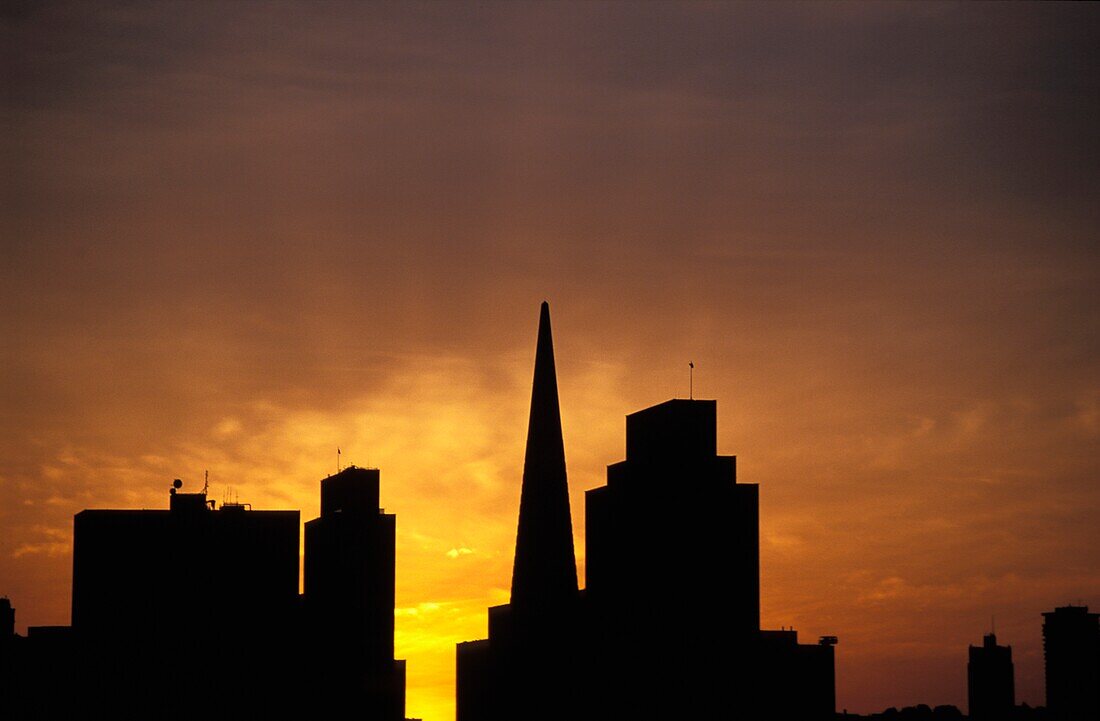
point(924, 712)
point(674, 432)
point(167, 573)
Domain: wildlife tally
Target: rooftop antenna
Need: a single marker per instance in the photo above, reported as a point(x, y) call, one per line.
point(691, 380)
point(337, 459)
point(205, 482)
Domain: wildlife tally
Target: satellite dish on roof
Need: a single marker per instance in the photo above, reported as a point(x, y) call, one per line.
point(177, 484)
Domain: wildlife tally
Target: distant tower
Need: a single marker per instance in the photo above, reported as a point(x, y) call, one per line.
point(1071, 647)
point(7, 619)
point(990, 681)
point(349, 595)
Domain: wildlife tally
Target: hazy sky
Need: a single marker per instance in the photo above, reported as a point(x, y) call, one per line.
point(235, 236)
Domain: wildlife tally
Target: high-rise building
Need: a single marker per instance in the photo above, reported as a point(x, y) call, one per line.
point(349, 596)
point(991, 686)
point(673, 581)
point(669, 624)
point(673, 529)
point(161, 597)
point(530, 664)
point(1071, 649)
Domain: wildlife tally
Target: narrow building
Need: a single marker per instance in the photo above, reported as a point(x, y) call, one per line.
point(349, 598)
point(991, 685)
point(1071, 650)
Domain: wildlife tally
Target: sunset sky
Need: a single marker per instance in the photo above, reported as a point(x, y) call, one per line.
point(236, 236)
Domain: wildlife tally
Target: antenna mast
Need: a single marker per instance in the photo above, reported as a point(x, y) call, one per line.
point(691, 380)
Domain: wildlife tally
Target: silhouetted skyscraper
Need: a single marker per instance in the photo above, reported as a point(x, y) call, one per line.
point(1071, 648)
point(160, 595)
point(669, 624)
point(528, 667)
point(668, 513)
point(349, 594)
point(673, 573)
point(991, 686)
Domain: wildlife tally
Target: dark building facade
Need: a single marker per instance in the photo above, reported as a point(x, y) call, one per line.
point(194, 612)
point(669, 624)
point(195, 591)
point(1071, 649)
point(990, 680)
point(168, 573)
point(349, 598)
point(673, 581)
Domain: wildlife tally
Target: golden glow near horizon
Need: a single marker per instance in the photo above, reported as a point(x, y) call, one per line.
point(237, 239)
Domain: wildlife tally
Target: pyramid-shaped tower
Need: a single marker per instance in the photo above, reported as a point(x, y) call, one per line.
point(545, 569)
point(527, 667)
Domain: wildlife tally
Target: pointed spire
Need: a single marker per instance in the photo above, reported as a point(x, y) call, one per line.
point(545, 569)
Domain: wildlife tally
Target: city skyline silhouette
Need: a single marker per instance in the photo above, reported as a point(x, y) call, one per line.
point(235, 237)
point(158, 595)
